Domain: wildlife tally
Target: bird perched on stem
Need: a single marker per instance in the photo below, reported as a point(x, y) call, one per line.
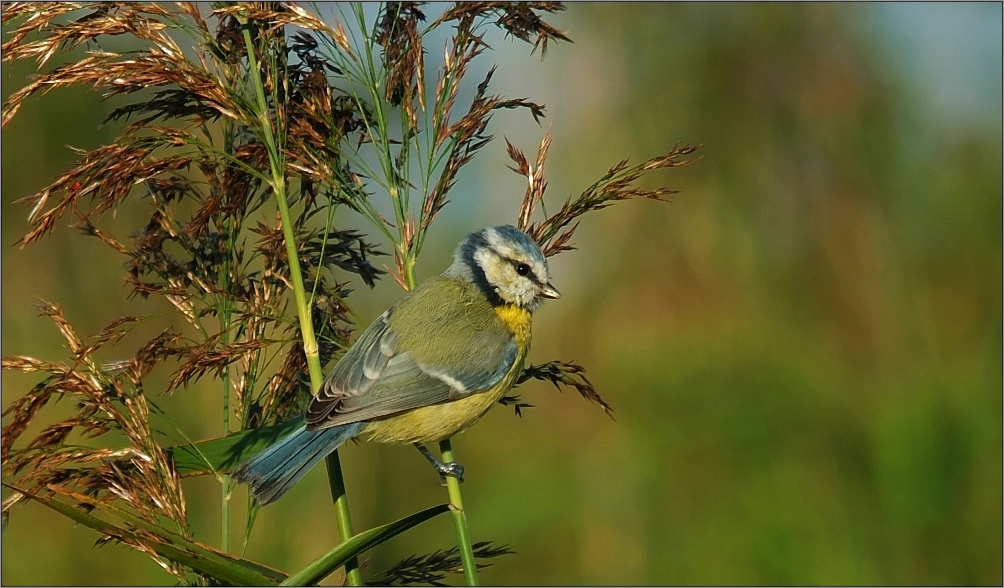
point(427, 368)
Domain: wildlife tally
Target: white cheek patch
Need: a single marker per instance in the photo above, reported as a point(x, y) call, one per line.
point(482, 256)
point(486, 260)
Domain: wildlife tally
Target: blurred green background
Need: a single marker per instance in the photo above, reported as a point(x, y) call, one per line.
point(803, 349)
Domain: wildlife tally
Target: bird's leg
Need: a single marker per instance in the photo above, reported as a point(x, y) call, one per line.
point(445, 469)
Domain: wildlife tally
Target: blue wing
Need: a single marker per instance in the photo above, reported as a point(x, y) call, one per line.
point(375, 378)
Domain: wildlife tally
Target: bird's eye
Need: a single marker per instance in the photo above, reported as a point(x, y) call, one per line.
point(522, 269)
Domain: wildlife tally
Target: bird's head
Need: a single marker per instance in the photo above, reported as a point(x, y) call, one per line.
point(506, 264)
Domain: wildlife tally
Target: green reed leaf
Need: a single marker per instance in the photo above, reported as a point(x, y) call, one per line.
point(329, 562)
point(200, 558)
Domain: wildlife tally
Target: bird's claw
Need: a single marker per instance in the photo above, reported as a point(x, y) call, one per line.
point(450, 468)
point(453, 469)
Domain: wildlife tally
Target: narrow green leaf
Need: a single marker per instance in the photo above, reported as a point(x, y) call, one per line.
point(179, 540)
point(177, 549)
point(329, 562)
point(224, 454)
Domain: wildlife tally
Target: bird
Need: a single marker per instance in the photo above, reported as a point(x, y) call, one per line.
point(427, 368)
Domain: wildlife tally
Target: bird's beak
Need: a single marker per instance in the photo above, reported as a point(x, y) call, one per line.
point(549, 291)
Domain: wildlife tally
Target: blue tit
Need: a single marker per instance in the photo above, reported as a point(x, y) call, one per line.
point(427, 368)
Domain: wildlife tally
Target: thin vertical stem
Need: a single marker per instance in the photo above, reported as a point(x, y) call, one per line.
point(227, 482)
point(352, 575)
point(338, 495)
point(226, 312)
point(459, 519)
point(228, 486)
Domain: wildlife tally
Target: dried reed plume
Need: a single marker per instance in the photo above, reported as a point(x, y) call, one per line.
point(223, 111)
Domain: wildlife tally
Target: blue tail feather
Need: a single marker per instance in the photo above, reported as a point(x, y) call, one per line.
point(274, 471)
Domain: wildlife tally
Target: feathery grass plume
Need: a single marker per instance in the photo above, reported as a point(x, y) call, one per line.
point(469, 137)
point(619, 183)
point(225, 191)
point(386, 114)
point(223, 111)
point(534, 175)
point(563, 373)
point(403, 56)
point(553, 236)
point(519, 19)
point(432, 568)
point(191, 153)
point(106, 402)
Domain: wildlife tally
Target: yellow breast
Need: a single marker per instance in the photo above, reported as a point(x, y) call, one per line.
point(434, 423)
point(518, 321)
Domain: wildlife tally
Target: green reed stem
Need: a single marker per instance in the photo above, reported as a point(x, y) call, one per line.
point(227, 482)
point(226, 312)
point(228, 487)
point(338, 495)
point(352, 575)
point(459, 518)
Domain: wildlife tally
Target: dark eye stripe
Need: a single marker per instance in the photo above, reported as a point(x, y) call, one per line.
point(530, 273)
point(515, 264)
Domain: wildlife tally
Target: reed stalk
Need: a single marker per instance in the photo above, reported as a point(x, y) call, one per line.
point(227, 485)
point(338, 494)
point(459, 519)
